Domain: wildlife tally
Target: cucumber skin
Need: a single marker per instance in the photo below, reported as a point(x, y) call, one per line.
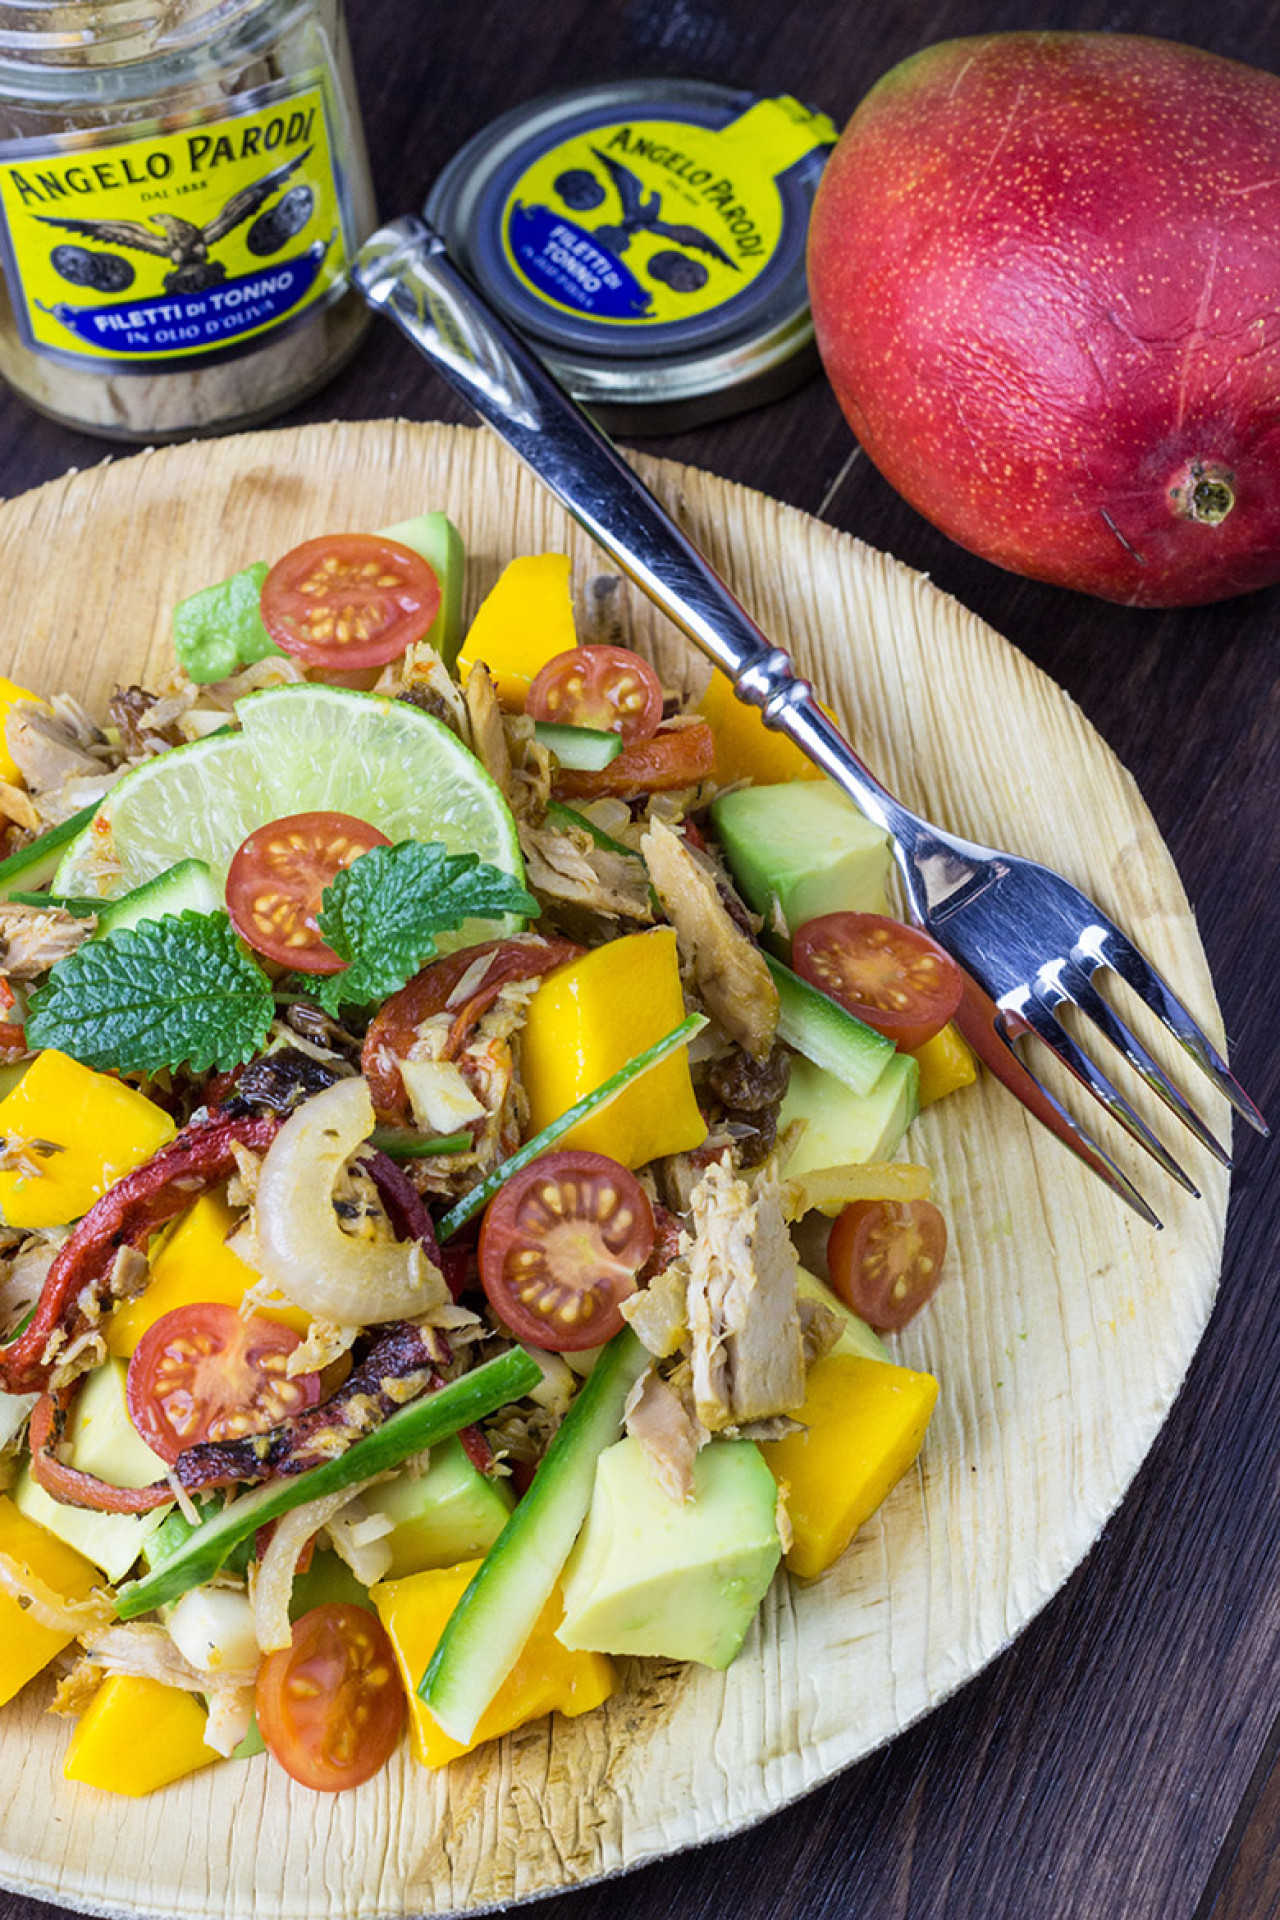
point(804, 1008)
point(422, 1424)
point(480, 1196)
point(495, 1616)
point(39, 861)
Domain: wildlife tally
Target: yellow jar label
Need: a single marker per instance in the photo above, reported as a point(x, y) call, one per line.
point(147, 248)
point(654, 221)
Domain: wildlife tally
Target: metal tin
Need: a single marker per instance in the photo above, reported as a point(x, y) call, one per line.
point(648, 237)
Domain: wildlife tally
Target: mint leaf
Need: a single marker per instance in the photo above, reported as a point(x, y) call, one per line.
point(174, 992)
point(381, 915)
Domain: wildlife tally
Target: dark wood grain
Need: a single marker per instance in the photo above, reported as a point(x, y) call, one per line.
point(1123, 1757)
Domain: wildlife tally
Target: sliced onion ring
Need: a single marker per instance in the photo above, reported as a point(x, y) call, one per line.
point(301, 1247)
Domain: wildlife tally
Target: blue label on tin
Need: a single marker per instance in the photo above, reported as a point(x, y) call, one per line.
point(564, 262)
point(178, 322)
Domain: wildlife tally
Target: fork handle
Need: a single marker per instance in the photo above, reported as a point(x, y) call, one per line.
point(405, 270)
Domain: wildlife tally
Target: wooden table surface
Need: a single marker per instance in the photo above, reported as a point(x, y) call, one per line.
point(1120, 1759)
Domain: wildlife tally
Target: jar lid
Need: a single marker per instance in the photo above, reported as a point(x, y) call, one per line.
point(648, 236)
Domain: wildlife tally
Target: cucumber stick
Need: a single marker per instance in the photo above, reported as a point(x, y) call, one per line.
point(480, 1196)
point(495, 1616)
point(424, 1423)
point(827, 1033)
point(188, 887)
point(584, 749)
point(34, 866)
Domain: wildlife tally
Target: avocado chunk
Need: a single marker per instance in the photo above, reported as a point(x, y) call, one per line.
point(328, 1581)
point(435, 537)
point(801, 850)
point(843, 1128)
point(451, 1512)
point(650, 1575)
point(856, 1337)
point(102, 1441)
point(112, 1541)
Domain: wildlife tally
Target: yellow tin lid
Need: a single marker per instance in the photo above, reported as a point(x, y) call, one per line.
point(648, 237)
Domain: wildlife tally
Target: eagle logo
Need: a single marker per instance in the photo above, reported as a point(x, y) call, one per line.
point(641, 214)
point(182, 243)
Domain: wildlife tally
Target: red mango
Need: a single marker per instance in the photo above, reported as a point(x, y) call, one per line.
point(1045, 272)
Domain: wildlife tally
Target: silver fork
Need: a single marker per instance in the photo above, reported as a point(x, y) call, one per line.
point(1027, 940)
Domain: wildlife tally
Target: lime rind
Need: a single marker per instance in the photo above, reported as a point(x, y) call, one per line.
point(303, 749)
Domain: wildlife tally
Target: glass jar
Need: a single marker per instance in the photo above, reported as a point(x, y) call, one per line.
point(182, 185)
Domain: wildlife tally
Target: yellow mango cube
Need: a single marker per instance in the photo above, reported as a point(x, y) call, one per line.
point(546, 1678)
point(11, 695)
point(25, 1646)
point(589, 1018)
point(80, 1131)
point(946, 1063)
point(745, 748)
point(524, 620)
point(865, 1422)
point(195, 1263)
point(136, 1735)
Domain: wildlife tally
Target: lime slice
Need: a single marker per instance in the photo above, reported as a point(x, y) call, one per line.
point(197, 801)
point(303, 749)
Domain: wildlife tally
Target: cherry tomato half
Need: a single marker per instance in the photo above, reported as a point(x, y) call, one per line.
point(561, 1246)
point(885, 1258)
point(892, 976)
point(674, 757)
point(331, 1706)
point(277, 878)
point(610, 688)
point(204, 1372)
point(349, 600)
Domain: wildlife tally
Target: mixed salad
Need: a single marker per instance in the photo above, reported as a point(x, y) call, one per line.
point(426, 1057)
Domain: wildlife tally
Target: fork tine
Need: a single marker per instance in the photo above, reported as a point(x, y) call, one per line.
point(986, 1031)
point(1079, 988)
point(1117, 951)
point(1082, 1143)
point(1045, 1024)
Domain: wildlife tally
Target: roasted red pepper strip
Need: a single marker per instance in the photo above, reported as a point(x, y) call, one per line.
point(68, 1484)
point(199, 1158)
point(13, 1040)
point(394, 1027)
point(674, 757)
